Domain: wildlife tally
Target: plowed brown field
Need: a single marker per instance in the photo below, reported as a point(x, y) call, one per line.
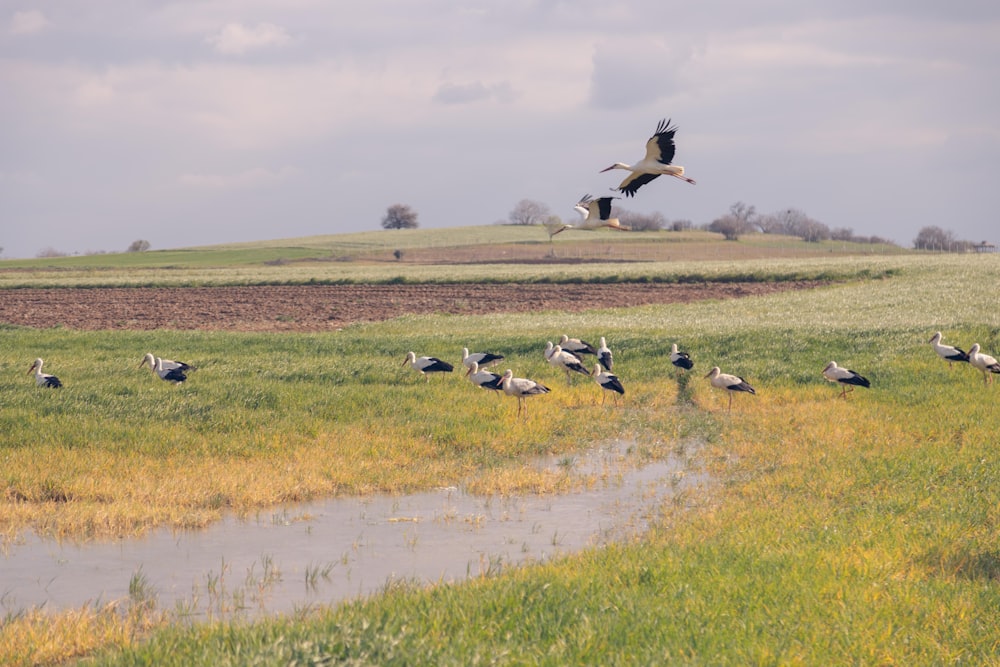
point(329, 307)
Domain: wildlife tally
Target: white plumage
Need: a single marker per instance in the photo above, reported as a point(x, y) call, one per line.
point(731, 383)
point(175, 374)
point(847, 379)
point(560, 358)
point(168, 364)
point(44, 379)
point(425, 365)
point(984, 363)
point(484, 359)
point(680, 359)
point(521, 388)
point(608, 382)
point(484, 379)
point(659, 154)
point(604, 355)
point(949, 353)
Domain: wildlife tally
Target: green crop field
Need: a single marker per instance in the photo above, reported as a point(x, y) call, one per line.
point(860, 531)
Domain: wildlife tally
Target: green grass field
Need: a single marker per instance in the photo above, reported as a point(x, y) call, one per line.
point(836, 532)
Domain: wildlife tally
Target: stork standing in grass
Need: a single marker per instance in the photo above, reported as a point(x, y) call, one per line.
point(175, 375)
point(604, 355)
point(425, 365)
point(44, 379)
point(659, 154)
point(984, 362)
point(484, 379)
point(731, 383)
point(168, 364)
point(576, 347)
point(560, 358)
point(521, 388)
point(484, 359)
point(847, 379)
point(949, 353)
point(608, 382)
point(679, 359)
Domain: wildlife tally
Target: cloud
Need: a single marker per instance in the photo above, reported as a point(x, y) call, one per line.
point(235, 39)
point(251, 178)
point(28, 22)
point(465, 93)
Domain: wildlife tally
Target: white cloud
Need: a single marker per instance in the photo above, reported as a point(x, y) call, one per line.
point(235, 39)
point(28, 22)
point(464, 93)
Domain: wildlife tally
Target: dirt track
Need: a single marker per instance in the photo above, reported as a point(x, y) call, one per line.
point(329, 307)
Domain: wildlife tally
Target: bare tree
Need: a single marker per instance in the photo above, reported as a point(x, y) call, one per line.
point(139, 245)
point(728, 225)
point(640, 222)
point(400, 216)
point(529, 212)
point(49, 251)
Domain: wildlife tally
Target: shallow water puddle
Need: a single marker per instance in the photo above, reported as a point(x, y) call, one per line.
point(329, 551)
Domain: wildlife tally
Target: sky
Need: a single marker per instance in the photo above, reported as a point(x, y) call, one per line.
point(197, 122)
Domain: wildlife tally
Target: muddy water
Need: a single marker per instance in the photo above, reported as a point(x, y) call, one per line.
point(325, 552)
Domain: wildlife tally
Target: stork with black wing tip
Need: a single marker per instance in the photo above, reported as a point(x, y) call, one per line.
point(659, 154)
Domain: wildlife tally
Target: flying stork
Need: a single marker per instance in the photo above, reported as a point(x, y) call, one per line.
point(984, 363)
point(659, 153)
point(427, 365)
point(521, 388)
point(947, 352)
point(731, 383)
point(44, 379)
point(596, 214)
point(847, 379)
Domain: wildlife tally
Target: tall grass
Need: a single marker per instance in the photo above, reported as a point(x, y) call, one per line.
point(836, 532)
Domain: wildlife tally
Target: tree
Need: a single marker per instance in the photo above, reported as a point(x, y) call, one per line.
point(400, 216)
point(728, 225)
point(139, 245)
point(529, 212)
point(640, 222)
point(935, 238)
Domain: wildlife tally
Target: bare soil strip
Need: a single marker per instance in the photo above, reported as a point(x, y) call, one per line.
point(330, 307)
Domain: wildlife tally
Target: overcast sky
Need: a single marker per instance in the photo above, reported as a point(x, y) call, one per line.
point(198, 122)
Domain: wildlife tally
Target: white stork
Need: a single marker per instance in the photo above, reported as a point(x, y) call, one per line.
point(168, 364)
point(484, 379)
point(175, 375)
point(604, 355)
point(608, 381)
point(984, 363)
point(484, 359)
point(521, 388)
point(560, 358)
point(847, 379)
point(947, 352)
point(576, 347)
point(44, 379)
point(659, 153)
point(597, 214)
point(731, 383)
point(427, 365)
point(680, 359)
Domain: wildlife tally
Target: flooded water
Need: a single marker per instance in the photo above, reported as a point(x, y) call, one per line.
point(325, 552)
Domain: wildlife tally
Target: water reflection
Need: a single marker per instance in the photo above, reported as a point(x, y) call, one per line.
point(325, 552)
